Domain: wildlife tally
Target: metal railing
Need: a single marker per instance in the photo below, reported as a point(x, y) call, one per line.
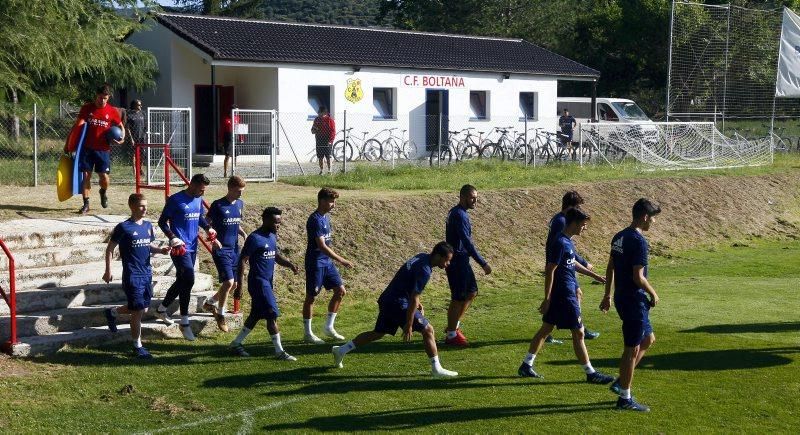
point(10, 298)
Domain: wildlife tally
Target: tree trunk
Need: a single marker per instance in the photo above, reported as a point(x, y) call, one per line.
point(13, 125)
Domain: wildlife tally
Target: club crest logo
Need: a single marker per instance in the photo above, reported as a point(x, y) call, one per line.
point(354, 93)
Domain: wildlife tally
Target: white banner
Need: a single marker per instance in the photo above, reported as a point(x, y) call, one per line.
point(788, 83)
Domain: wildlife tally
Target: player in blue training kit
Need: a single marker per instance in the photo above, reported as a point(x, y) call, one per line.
point(320, 270)
point(225, 217)
point(555, 227)
point(135, 240)
point(261, 252)
point(460, 277)
point(180, 219)
point(633, 297)
point(561, 308)
point(399, 306)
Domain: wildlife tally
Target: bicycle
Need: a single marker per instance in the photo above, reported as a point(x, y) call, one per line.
point(401, 147)
point(368, 149)
point(446, 152)
point(502, 147)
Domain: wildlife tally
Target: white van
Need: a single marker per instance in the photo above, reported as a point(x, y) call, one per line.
point(608, 110)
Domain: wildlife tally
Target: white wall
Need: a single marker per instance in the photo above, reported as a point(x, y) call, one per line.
point(152, 40)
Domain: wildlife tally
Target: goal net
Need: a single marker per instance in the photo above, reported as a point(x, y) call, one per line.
point(673, 145)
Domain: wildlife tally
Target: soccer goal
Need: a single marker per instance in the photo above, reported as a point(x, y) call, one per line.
point(673, 145)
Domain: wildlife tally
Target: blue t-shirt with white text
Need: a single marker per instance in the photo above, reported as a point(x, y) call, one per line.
point(184, 213)
point(410, 280)
point(225, 217)
point(134, 247)
point(261, 248)
point(629, 248)
point(562, 253)
point(318, 225)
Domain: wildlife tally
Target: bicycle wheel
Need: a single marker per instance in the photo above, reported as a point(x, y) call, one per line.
point(373, 150)
point(469, 152)
point(493, 151)
point(444, 157)
point(342, 151)
point(409, 150)
point(521, 153)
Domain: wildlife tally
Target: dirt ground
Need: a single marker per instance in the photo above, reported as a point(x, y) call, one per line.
point(380, 230)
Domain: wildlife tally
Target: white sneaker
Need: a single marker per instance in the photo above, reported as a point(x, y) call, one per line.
point(164, 316)
point(313, 339)
point(187, 332)
point(333, 334)
point(285, 357)
point(338, 357)
point(443, 373)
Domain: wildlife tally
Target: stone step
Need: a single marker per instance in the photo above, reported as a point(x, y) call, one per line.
point(202, 325)
point(31, 301)
point(42, 233)
point(79, 274)
point(61, 256)
point(72, 318)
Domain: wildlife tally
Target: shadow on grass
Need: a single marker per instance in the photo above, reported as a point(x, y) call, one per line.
point(712, 360)
point(121, 354)
point(421, 417)
point(747, 327)
point(23, 208)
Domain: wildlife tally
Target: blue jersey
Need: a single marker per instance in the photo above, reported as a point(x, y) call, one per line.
point(134, 247)
point(458, 233)
point(317, 226)
point(261, 248)
point(410, 280)
point(566, 123)
point(225, 217)
point(185, 215)
point(556, 227)
point(562, 253)
point(628, 249)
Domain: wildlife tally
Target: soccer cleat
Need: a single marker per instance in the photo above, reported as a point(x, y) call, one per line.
point(552, 340)
point(111, 319)
point(460, 334)
point(238, 350)
point(313, 339)
point(103, 200)
point(615, 387)
point(526, 371)
point(337, 357)
point(142, 353)
point(283, 356)
point(221, 323)
point(441, 372)
point(458, 341)
point(164, 316)
point(209, 307)
point(631, 405)
point(330, 332)
point(598, 378)
point(187, 332)
point(84, 209)
point(590, 335)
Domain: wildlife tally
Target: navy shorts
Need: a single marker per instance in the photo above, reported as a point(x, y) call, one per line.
point(95, 161)
point(564, 312)
point(322, 276)
point(262, 300)
point(461, 279)
point(393, 316)
point(635, 315)
point(138, 291)
point(226, 261)
point(184, 264)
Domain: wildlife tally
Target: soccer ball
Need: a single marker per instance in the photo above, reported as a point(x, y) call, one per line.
point(114, 134)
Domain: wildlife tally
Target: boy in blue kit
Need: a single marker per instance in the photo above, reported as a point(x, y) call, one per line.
point(320, 270)
point(135, 240)
point(399, 306)
point(225, 217)
point(460, 277)
point(633, 297)
point(261, 252)
point(555, 227)
point(561, 307)
point(180, 219)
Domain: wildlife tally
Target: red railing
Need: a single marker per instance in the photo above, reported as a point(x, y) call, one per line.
point(10, 298)
point(168, 163)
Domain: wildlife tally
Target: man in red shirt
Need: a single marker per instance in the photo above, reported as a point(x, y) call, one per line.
point(324, 129)
point(227, 129)
point(96, 152)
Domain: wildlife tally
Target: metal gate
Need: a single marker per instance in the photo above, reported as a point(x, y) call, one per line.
point(254, 148)
point(173, 126)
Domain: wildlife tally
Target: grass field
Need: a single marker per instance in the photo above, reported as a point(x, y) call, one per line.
point(725, 360)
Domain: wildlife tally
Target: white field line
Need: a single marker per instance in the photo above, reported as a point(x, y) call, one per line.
point(246, 416)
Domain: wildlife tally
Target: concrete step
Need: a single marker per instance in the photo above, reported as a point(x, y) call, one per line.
point(72, 318)
point(45, 257)
point(35, 300)
point(42, 233)
point(202, 325)
point(79, 274)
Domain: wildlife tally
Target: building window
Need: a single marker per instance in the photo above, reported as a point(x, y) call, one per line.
point(319, 96)
point(478, 104)
point(384, 102)
point(527, 105)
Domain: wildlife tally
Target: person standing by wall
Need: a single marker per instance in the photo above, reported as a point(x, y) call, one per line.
point(324, 129)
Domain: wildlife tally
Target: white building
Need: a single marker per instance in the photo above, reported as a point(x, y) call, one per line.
point(420, 82)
